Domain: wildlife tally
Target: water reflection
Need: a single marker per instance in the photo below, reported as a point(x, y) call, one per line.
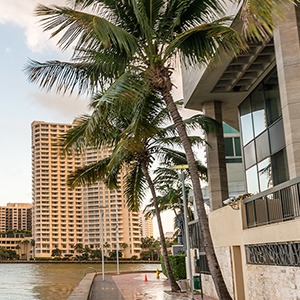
point(50, 281)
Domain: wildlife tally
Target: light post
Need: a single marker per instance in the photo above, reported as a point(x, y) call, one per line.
point(117, 238)
point(102, 238)
point(186, 226)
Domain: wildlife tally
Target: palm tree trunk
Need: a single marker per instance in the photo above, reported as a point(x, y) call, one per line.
point(213, 264)
point(173, 283)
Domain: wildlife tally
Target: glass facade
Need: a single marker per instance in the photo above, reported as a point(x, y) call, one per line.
point(263, 136)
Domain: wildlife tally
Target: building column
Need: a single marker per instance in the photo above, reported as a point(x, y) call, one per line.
point(216, 163)
point(287, 49)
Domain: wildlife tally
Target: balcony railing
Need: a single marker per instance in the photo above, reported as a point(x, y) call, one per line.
point(278, 204)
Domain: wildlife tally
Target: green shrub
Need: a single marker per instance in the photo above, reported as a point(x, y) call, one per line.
point(177, 263)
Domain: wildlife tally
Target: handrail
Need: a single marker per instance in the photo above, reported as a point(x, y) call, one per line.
point(277, 204)
point(91, 269)
point(276, 188)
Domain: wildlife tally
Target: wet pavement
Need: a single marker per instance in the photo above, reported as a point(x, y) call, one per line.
point(137, 286)
point(105, 290)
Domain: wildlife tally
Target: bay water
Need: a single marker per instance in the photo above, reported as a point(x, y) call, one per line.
point(51, 281)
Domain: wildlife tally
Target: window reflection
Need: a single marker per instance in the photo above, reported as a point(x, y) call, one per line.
point(265, 174)
point(250, 158)
point(262, 146)
point(246, 121)
point(258, 111)
point(263, 136)
point(252, 182)
point(272, 98)
point(280, 167)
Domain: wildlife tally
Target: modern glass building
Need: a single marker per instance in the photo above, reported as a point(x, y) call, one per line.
point(258, 94)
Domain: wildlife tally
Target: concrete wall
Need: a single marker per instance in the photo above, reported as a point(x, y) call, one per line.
point(273, 282)
point(246, 281)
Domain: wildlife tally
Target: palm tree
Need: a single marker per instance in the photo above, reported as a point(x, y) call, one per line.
point(170, 187)
point(125, 50)
point(79, 248)
point(32, 243)
point(134, 145)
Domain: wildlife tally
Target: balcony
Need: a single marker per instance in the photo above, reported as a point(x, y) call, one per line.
point(278, 204)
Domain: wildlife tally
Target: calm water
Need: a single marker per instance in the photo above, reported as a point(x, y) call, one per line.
point(50, 281)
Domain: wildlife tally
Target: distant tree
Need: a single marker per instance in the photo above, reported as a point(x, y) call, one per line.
point(32, 242)
point(8, 254)
point(123, 246)
point(78, 248)
point(86, 253)
point(96, 254)
point(152, 248)
point(56, 252)
point(113, 254)
point(146, 242)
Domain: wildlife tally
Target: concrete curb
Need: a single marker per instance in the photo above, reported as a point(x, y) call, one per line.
point(82, 290)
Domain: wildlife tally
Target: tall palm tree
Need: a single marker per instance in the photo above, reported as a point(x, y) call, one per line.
point(134, 141)
point(130, 45)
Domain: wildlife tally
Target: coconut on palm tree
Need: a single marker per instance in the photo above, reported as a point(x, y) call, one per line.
point(130, 45)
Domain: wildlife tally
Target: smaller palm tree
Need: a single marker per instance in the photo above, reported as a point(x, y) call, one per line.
point(137, 134)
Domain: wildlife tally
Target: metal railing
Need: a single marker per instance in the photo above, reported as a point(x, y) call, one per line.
point(278, 204)
point(195, 240)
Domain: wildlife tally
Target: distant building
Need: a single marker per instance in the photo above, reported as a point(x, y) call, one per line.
point(17, 242)
point(146, 225)
point(234, 166)
point(63, 217)
point(169, 235)
point(16, 216)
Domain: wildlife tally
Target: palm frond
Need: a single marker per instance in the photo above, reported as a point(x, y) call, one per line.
point(121, 11)
point(260, 17)
point(87, 30)
point(89, 174)
point(201, 43)
point(135, 187)
point(203, 122)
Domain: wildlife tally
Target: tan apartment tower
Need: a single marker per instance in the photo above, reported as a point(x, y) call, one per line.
point(146, 225)
point(64, 217)
point(57, 210)
point(16, 216)
point(106, 210)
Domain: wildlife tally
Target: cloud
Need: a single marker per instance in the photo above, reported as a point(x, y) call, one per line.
point(57, 107)
point(21, 13)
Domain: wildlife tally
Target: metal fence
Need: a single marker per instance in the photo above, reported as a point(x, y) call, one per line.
point(195, 242)
point(277, 254)
point(277, 204)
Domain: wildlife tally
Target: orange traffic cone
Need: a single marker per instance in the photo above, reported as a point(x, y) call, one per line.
point(146, 279)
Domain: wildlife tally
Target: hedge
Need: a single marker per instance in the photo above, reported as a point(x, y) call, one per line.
point(177, 263)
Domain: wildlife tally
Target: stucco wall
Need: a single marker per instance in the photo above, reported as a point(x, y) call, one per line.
point(261, 282)
point(273, 282)
point(224, 258)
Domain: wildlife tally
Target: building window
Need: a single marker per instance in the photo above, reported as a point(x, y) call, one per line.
point(263, 136)
point(233, 150)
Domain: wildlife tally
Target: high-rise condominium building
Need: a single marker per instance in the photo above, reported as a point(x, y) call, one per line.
point(146, 225)
point(15, 216)
point(106, 210)
point(63, 217)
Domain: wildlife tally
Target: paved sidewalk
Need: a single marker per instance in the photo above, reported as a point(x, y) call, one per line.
point(105, 290)
point(135, 286)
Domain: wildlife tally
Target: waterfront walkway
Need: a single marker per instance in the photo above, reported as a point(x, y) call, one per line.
point(136, 286)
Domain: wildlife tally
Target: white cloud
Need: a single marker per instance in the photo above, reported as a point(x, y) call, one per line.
point(59, 108)
point(21, 13)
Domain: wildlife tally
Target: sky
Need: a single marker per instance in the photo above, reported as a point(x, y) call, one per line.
point(22, 102)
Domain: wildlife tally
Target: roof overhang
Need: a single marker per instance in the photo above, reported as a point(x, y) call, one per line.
point(229, 80)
